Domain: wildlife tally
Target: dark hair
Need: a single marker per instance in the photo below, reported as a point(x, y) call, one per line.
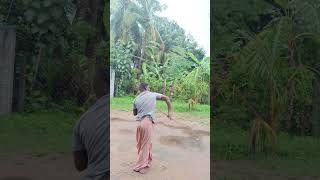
point(143, 86)
point(100, 83)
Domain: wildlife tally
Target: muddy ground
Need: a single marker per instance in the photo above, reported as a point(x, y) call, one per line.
point(179, 152)
point(249, 170)
point(25, 166)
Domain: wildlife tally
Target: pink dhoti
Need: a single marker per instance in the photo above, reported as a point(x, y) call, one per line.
point(144, 146)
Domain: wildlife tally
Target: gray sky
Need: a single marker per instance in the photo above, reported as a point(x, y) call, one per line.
point(193, 16)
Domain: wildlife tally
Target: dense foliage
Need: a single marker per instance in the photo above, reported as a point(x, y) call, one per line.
point(153, 49)
point(266, 67)
point(58, 49)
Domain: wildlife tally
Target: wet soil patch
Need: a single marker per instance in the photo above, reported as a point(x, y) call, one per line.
point(181, 142)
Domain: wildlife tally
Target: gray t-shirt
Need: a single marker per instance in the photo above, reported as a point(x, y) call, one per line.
point(91, 133)
point(145, 103)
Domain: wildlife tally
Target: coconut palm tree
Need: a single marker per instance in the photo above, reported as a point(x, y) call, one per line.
point(135, 19)
point(93, 12)
point(271, 59)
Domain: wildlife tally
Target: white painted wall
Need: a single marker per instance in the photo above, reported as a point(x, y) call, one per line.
point(112, 79)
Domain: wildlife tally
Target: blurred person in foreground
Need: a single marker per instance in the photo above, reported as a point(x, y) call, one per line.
point(144, 108)
point(91, 135)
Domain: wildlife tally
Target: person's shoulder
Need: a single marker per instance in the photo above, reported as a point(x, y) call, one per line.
point(156, 94)
point(135, 99)
point(139, 96)
point(103, 100)
point(82, 118)
point(92, 110)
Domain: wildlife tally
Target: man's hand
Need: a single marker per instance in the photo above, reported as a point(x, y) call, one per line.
point(135, 112)
point(80, 160)
point(169, 105)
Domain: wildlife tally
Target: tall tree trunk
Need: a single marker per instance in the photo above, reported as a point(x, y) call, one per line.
point(139, 60)
point(303, 125)
point(272, 113)
point(291, 51)
point(21, 87)
point(101, 59)
point(91, 11)
point(290, 114)
point(164, 86)
point(315, 117)
point(292, 63)
point(35, 73)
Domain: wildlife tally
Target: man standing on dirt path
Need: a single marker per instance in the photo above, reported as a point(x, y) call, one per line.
point(91, 136)
point(144, 107)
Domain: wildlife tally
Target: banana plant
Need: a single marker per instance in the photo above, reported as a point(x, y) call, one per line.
point(196, 82)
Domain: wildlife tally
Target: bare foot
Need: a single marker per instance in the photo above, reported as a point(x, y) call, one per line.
point(141, 171)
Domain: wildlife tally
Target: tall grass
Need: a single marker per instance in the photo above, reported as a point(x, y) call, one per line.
point(293, 154)
point(41, 132)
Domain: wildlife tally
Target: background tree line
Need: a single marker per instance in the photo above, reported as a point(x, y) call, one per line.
point(148, 47)
point(265, 75)
point(60, 46)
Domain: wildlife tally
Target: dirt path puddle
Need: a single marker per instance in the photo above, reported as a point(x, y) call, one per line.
point(182, 142)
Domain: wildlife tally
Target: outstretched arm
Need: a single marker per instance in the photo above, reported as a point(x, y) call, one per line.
point(169, 105)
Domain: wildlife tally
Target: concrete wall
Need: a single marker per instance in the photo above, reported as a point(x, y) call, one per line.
point(7, 56)
point(112, 79)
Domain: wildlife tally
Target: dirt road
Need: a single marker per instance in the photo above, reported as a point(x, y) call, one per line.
point(179, 152)
point(36, 167)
